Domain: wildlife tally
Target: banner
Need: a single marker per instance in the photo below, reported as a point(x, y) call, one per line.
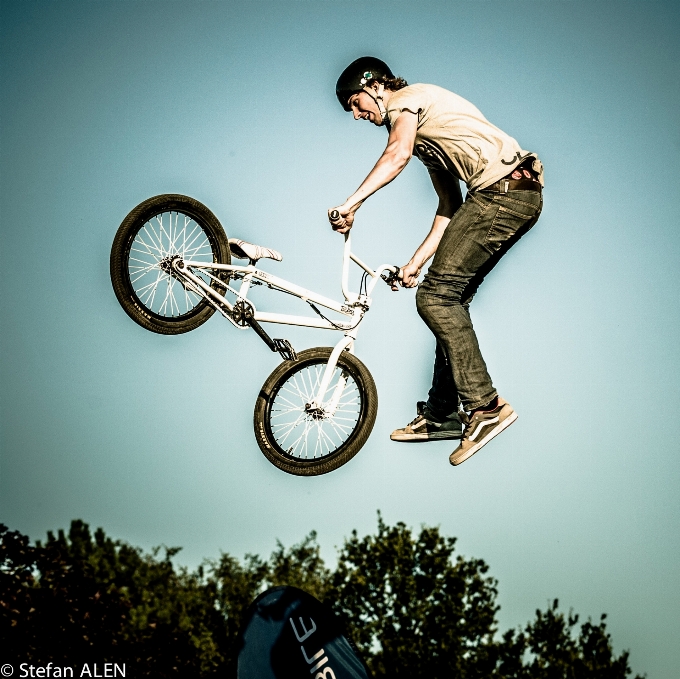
point(288, 634)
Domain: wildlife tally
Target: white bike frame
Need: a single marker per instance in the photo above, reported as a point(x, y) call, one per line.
point(355, 306)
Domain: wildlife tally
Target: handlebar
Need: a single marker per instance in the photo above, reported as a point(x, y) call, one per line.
point(392, 277)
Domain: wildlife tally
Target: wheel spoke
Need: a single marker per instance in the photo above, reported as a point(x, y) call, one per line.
point(152, 291)
point(315, 434)
point(154, 247)
point(165, 235)
point(156, 243)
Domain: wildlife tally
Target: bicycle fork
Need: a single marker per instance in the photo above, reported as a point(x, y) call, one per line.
point(317, 406)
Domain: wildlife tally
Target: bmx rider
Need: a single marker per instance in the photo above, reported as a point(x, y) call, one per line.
point(467, 238)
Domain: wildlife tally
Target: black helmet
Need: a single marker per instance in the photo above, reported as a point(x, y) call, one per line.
point(356, 75)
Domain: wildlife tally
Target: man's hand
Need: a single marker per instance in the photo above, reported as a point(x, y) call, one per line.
point(342, 223)
point(408, 275)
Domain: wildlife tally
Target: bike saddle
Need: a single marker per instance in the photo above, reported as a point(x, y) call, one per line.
point(242, 250)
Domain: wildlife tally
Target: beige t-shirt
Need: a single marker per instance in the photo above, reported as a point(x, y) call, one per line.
point(453, 135)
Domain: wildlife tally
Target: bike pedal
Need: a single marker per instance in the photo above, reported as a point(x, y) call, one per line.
point(285, 348)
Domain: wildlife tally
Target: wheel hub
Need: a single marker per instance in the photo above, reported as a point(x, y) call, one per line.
point(167, 264)
point(314, 412)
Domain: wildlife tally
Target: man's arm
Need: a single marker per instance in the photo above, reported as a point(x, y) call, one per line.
point(394, 159)
point(450, 199)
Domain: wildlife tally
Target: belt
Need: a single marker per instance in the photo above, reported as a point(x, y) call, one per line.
point(504, 185)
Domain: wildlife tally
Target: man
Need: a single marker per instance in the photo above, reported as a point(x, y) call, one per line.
point(455, 142)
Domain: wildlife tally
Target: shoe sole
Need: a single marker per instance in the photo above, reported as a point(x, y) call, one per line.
point(424, 438)
point(455, 461)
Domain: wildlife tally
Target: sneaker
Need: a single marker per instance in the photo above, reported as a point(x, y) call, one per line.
point(426, 428)
point(480, 428)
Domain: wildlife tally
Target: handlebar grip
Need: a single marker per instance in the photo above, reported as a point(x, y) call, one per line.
point(335, 215)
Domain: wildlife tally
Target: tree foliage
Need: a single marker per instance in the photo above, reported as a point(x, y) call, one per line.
point(417, 612)
point(412, 606)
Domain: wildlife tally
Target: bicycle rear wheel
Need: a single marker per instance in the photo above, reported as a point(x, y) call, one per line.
point(155, 231)
point(303, 442)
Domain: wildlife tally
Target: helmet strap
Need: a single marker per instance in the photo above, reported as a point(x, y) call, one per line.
point(378, 98)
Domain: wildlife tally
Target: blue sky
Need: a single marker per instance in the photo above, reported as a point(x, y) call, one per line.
point(107, 103)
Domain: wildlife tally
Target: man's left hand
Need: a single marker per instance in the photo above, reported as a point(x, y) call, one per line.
point(344, 222)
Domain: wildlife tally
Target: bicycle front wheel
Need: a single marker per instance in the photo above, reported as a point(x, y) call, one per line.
point(309, 442)
point(152, 234)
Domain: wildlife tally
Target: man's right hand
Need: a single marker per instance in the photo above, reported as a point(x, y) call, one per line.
point(408, 275)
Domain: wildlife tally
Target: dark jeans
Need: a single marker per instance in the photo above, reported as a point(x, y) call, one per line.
point(484, 228)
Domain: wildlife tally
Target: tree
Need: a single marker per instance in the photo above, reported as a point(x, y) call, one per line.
point(413, 608)
point(555, 651)
point(83, 598)
point(53, 603)
point(415, 611)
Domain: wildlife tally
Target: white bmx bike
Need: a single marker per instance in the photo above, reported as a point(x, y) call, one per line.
point(171, 270)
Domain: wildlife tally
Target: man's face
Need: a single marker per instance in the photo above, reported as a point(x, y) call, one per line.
point(364, 107)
